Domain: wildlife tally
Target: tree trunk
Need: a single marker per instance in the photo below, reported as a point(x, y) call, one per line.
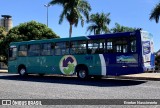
point(70, 31)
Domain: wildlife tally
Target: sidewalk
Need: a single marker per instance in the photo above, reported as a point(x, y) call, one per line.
point(142, 76)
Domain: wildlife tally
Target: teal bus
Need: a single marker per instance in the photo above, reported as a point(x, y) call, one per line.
point(111, 54)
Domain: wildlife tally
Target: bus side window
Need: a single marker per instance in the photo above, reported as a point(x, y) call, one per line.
point(117, 45)
point(121, 45)
point(91, 49)
point(110, 47)
point(12, 53)
point(47, 49)
point(22, 51)
point(133, 44)
point(78, 47)
point(62, 48)
point(96, 46)
point(82, 47)
point(34, 50)
point(101, 46)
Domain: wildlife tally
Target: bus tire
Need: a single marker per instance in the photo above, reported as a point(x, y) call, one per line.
point(22, 71)
point(82, 73)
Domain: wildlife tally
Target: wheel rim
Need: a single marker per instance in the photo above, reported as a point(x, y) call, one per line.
point(22, 71)
point(82, 73)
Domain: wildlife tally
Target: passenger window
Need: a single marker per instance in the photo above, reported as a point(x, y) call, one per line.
point(119, 45)
point(110, 47)
point(47, 49)
point(34, 50)
point(78, 47)
point(62, 48)
point(133, 44)
point(96, 46)
point(22, 50)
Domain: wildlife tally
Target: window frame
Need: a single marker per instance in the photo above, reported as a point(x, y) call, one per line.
point(63, 50)
point(51, 50)
point(123, 46)
point(24, 52)
point(38, 54)
point(93, 49)
point(77, 49)
point(133, 38)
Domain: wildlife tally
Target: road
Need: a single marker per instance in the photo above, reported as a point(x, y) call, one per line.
point(58, 87)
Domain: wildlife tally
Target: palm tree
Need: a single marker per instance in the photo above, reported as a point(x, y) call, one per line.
point(155, 13)
point(73, 11)
point(99, 23)
point(120, 28)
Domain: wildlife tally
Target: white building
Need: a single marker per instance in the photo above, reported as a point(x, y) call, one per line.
point(6, 21)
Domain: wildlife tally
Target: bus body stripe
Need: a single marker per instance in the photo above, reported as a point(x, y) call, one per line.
point(103, 65)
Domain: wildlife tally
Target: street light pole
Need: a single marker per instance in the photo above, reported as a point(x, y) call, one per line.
point(47, 5)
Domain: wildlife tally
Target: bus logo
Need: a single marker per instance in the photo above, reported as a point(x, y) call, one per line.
point(67, 64)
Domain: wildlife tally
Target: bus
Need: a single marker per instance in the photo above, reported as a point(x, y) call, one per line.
point(111, 54)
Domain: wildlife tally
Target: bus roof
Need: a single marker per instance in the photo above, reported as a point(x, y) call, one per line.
point(127, 34)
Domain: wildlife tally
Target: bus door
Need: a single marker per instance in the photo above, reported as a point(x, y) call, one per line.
point(12, 64)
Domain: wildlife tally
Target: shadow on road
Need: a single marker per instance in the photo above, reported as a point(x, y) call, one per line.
point(73, 80)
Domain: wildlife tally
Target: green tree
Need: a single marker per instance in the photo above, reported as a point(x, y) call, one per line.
point(24, 32)
point(155, 13)
point(2, 37)
point(119, 28)
point(2, 33)
point(98, 23)
point(73, 11)
point(31, 31)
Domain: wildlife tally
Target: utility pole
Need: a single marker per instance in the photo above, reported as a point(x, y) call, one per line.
point(47, 6)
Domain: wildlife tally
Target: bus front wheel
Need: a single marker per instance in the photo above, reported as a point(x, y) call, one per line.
point(22, 71)
point(82, 73)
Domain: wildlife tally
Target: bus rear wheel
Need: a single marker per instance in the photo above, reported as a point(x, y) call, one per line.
point(22, 71)
point(82, 73)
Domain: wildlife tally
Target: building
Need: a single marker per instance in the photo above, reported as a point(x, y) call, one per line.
point(6, 21)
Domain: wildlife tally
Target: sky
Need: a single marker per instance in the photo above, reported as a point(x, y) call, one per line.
point(131, 13)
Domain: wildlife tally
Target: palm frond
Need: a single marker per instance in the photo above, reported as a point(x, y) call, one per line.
point(155, 13)
point(101, 20)
point(92, 28)
point(59, 2)
point(73, 10)
point(62, 16)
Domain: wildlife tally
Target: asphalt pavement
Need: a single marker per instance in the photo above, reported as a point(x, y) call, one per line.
point(153, 76)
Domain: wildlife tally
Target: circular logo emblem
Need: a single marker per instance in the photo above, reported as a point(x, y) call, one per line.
point(67, 64)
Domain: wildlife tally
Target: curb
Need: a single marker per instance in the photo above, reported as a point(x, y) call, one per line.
point(133, 77)
point(139, 78)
